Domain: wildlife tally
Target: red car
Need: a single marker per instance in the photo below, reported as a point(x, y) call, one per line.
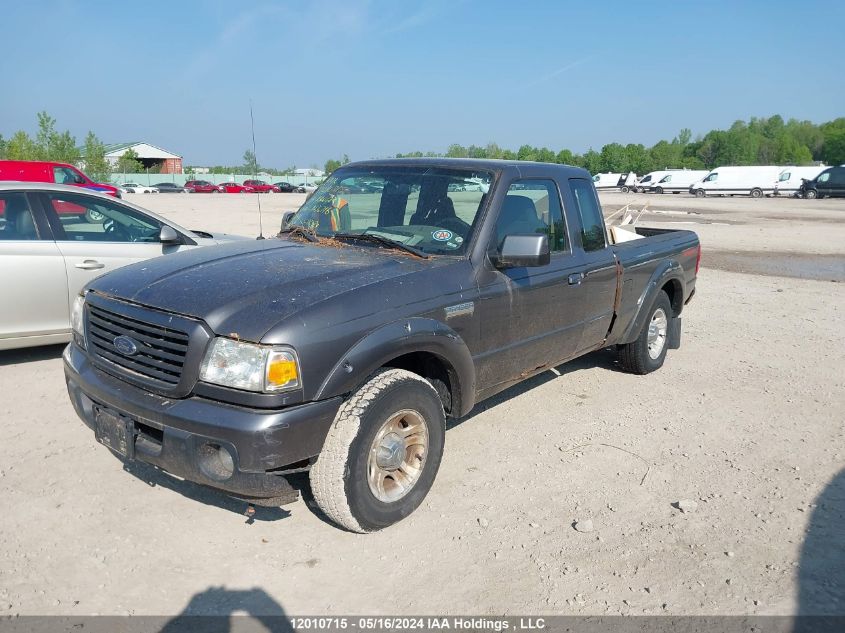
point(201, 186)
point(233, 187)
point(259, 186)
point(45, 171)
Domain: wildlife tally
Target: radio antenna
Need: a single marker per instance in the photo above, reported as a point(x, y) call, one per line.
point(255, 162)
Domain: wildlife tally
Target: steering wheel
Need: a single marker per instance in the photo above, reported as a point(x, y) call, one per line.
point(117, 232)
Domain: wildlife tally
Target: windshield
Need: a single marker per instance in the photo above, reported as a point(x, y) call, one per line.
point(432, 209)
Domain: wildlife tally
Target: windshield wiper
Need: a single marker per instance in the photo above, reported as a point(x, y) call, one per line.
point(383, 241)
point(300, 231)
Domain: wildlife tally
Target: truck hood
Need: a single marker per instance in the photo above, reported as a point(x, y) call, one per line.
point(248, 287)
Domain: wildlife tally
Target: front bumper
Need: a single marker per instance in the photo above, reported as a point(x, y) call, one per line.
point(170, 434)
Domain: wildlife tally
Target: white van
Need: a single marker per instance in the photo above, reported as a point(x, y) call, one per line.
point(755, 181)
point(649, 179)
point(790, 179)
point(677, 180)
point(623, 182)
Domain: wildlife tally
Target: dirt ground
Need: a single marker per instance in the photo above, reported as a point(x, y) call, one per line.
point(746, 420)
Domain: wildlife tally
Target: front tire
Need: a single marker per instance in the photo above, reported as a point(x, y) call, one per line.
point(658, 190)
point(811, 194)
point(382, 452)
point(700, 193)
point(648, 352)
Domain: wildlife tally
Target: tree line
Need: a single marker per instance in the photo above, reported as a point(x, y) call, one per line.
point(760, 141)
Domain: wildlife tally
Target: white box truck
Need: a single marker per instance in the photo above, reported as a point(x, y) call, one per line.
point(677, 180)
point(755, 181)
point(789, 180)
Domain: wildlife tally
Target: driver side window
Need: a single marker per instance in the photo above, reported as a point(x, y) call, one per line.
point(80, 218)
point(533, 206)
point(65, 176)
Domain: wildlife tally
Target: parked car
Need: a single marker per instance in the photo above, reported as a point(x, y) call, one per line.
point(46, 171)
point(48, 251)
point(201, 186)
point(286, 187)
point(422, 310)
point(170, 187)
point(233, 187)
point(790, 179)
point(753, 180)
point(259, 186)
point(134, 187)
point(828, 184)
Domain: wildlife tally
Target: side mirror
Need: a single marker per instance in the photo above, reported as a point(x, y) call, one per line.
point(527, 250)
point(168, 235)
point(286, 217)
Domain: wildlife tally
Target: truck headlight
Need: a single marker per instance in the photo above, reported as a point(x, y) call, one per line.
point(250, 367)
point(77, 320)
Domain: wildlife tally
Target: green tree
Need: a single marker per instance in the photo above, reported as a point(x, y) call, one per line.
point(250, 165)
point(21, 147)
point(2, 147)
point(565, 157)
point(97, 166)
point(128, 163)
point(833, 151)
point(331, 165)
point(456, 151)
point(613, 158)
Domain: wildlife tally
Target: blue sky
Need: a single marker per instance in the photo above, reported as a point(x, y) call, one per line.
point(373, 78)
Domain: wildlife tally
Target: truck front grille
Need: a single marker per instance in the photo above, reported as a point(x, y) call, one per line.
point(159, 351)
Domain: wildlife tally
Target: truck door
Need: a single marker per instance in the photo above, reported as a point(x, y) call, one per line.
point(527, 315)
point(599, 276)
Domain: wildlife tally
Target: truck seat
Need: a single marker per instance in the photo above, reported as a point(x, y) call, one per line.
point(519, 215)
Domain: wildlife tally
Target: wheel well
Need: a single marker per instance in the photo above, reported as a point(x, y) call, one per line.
point(438, 372)
point(676, 295)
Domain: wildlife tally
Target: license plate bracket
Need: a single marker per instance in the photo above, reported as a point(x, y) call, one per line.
point(115, 431)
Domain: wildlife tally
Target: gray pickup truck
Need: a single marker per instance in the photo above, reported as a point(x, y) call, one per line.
point(401, 294)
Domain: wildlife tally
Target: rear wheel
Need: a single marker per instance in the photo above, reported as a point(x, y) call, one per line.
point(648, 351)
point(625, 190)
point(756, 193)
point(382, 453)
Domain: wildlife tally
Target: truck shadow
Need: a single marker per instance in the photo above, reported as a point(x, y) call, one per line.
point(154, 477)
point(214, 611)
point(31, 354)
point(821, 570)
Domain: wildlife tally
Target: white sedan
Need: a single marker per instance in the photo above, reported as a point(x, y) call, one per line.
point(134, 187)
point(55, 238)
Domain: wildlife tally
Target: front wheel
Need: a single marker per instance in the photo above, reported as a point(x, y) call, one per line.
point(658, 190)
point(648, 351)
point(700, 193)
point(811, 194)
point(382, 453)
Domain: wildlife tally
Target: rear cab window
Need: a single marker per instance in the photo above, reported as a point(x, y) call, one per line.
point(589, 212)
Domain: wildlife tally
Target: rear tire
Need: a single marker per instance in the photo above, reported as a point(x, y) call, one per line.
point(625, 190)
point(366, 477)
point(756, 193)
point(648, 352)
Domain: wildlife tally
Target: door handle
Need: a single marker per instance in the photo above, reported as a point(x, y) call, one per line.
point(575, 279)
point(90, 264)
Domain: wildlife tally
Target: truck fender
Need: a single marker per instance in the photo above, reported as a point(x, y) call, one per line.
point(396, 339)
point(669, 270)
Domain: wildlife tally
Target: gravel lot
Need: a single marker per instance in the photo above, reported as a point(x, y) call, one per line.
point(745, 420)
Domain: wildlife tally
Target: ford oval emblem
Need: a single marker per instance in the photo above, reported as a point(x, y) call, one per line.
point(125, 345)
